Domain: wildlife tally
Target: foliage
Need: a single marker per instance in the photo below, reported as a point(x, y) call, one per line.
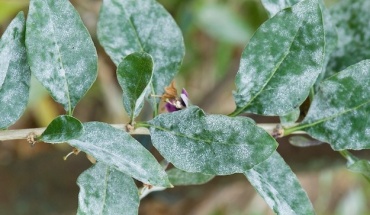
point(287, 59)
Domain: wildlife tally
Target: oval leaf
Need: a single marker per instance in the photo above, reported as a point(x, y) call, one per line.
point(104, 190)
point(142, 25)
point(62, 129)
point(282, 61)
point(134, 74)
point(340, 109)
point(213, 144)
point(15, 75)
point(120, 150)
point(180, 178)
point(60, 50)
point(351, 19)
point(279, 187)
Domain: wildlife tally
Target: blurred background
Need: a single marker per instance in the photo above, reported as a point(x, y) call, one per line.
point(36, 180)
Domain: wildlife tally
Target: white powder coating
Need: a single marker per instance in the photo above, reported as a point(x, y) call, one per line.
point(339, 111)
point(127, 26)
point(352, 21)
point(282, 61)
point(279, 187)
point(212, 144)
point(14, 72)
point(104, 190)
point(61, 53)
point(121, 151)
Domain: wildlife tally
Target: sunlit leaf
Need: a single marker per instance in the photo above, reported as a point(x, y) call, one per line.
point(62, 129)
point(279, 187)
point(179, 177)
point(104, 190)
point(339, 112)
point(134, 74)
point(60, 51)
point(118, 149)
point(282, 61)
point(127, 26)
point(210, 144)
point(352, 21)
point(15, 75)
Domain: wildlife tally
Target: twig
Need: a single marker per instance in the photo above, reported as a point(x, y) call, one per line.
point(20, 134)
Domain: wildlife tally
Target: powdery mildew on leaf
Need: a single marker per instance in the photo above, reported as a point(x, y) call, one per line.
point(210, 144)
point(61, 53)
point(279, 187)
point(282, 61)
point(104, 190)
point(339, 112)
point(127, 26)
point(120, 150)
point(14, 72)
point(352, 21)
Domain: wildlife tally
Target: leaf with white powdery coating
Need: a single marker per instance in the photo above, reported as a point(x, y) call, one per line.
point(15, 74)
point(351, 19)
point(282, 61)
point(340, 109)
point(134, 74)
point(104, 190)
point(127, 26)
point(61, 53)
point(279, 187)
point(210, 144)
point(179, 177)
point(62, 129)
point(118, 149)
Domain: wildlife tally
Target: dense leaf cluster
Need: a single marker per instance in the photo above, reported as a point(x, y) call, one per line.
point(287, 60)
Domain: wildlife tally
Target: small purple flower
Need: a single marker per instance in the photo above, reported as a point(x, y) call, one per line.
point(177, 103)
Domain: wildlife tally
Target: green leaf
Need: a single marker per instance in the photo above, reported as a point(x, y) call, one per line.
point(331, 37)
point(60, 50)
point(134, 74)
point(179, 177)
point(362, 167)
point(340, 109)
point(104, 190)
point(281, 62)
point(127, 26)
point(15, 75)
point(120, 150)
point(274, 6)
point(290, 118)
point(210, 144)
point(352, 21)
point(279, 187)
point(62, 129)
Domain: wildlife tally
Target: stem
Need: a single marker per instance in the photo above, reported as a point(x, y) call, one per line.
point(349, 156)
point(21, 134)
